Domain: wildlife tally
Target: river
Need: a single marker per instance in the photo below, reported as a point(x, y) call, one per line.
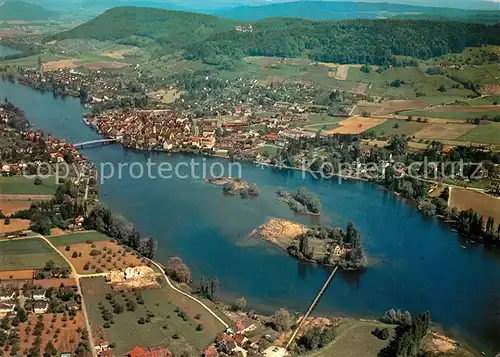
point(7, 51)
point(417, 263)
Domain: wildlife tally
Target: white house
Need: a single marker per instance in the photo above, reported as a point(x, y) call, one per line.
point(41, 307)
point(39, 294)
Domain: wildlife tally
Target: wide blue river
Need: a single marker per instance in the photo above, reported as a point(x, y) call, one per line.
point(416, 264)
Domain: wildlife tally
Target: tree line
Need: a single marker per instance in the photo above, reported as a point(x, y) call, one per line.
point(103, 220)
point(354, 41)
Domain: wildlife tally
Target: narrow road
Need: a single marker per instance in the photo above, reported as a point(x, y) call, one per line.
point(77, 279)
point(189, 296)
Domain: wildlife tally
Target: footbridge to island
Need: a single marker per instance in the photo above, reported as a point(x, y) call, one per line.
point(92, 143)
point(313, 305)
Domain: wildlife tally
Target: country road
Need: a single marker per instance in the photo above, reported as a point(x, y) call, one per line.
point(77, 279)
point(188, 295)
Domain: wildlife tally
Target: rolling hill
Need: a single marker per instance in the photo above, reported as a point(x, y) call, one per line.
point(21, 11)
point(343, 10)
point(215, 40)
point(138, 26)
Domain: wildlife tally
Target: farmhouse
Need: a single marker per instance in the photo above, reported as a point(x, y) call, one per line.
point(40, 307)
point(245, 325)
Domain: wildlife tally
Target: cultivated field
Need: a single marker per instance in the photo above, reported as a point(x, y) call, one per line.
point(483, 134)
point(8, 207)
point(413, 80)
point(56, 65)
point(390, 106)
point(486, 205)
point(20, 185)
point(64, 335)
point(99, 256)
point(105, 65)
point(31, 253)
point(79, 237)
point(397, 127)
point(354, 339)
point(15, 225)
point(443, 131)
point(341, 72)
point(355, 125)
point(165, 327)
point(457, 112)
point(16, 275)
point(320, 122)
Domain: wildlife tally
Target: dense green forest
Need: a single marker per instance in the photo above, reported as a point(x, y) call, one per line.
point(214, 40)
point(172, 30)
point(17, 10)
point(356, 41)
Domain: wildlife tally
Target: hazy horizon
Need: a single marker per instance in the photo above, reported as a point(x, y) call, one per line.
point(196, 5)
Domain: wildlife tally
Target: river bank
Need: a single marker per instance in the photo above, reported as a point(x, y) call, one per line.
point(402, 242)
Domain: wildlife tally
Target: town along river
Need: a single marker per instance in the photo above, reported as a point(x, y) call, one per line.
point(417, 264)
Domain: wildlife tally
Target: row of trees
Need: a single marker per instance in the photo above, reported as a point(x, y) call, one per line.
point(409, 337)
point(115, 226)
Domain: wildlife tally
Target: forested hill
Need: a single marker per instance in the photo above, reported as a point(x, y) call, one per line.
point(171, 29)
point(344, 10)
point(215, 41)
point(354, 41)
point(21, 11)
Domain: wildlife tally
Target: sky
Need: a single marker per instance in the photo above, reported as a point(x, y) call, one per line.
point(468, 4)
point(215, 4)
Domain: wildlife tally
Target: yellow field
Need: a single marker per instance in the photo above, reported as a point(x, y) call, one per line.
point(118, 54)
point(485, 205)
point(55, 65)
point(355, 125)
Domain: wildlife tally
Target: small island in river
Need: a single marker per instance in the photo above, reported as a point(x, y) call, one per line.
point(323, 245)
point(303, 201)
point(235, 186)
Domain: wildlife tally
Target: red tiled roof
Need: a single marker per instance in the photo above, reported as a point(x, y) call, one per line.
point(210, 351)
point(136, 352)
point(150, 352)
point(238, 338)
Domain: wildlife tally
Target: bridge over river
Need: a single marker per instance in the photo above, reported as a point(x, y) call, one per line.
point(313, 305)
point(91, 143)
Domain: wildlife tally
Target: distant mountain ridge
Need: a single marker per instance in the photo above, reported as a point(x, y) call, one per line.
point(343, 10)
point(22, 11)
